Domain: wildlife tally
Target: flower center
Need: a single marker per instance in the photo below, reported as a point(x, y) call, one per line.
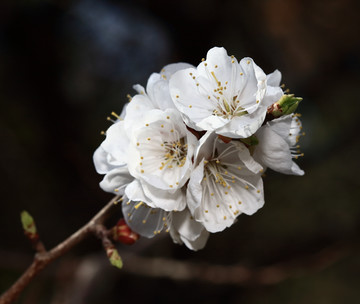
point(175, 153)
point(226, 107)
point(217, 172)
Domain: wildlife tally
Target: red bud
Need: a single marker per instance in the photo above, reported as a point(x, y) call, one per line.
point(123, 233)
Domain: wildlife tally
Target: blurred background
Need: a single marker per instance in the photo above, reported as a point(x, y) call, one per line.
point(66, 65)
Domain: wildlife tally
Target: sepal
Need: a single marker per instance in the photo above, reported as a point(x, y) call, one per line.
point(286, 105)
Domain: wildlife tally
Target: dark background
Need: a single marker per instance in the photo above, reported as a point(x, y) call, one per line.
point(65, 65)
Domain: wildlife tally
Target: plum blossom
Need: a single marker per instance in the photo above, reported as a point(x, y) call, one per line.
point(149, 222)
point(225, 183)
point(161, 157)
point(277, 146)
point(188, 152)
point(224, 95)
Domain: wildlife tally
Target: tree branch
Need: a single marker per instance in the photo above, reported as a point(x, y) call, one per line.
point(43, 258)
point(237, 274)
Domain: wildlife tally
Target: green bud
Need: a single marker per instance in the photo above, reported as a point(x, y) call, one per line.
point(287, 104)
point(114, 257)
point(250, 141)
point(28, 224)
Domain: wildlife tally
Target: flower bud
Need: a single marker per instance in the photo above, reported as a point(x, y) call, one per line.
point(114, 257)
point(29, 226)
point(123, 234)
point(287, 104)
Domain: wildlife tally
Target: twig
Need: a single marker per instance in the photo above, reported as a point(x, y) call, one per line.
point(236, 274)
point(43, 258)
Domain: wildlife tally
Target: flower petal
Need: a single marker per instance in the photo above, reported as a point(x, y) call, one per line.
point(185, 229)
point(158, 91)
point(116, 144)
point(139, 105)
point(188, 99)
point(164, 199)
point(274, 152)
point(116, 180)
point(101, 163)
point(253, 92)
point(172, 68)
point(273, 79)
point(243, 126)
point(143, 219)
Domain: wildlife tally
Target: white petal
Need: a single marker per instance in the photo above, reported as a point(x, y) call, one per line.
point(281, 125)
point(288, 127)
point(273, 94)
point(172, 68)
point(164, 199)
point(158, 91)
point(212, 123)
point(101, 161)
point(198, 243)
point(186, 226)
point(185, 229)
point(243, 126)
point(247, 159)
point(274, 152)
point(194, 188)
point(273, 79)
point(220, 65)
point(116, 144)
point(139, 89)
point(123, 111)
point(187, 97)
point(254, 90)
point(116, 180)
point(139, 105)
point(143, 219)
point(205, 147)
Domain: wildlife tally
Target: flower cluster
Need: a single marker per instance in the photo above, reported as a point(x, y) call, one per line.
point(188, 152)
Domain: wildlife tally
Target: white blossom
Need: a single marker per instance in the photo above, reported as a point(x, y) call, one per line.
point(160, 156)
point(278, 144)
point(224, 95)
point(150, 222)
point(187, 153)
point(225, 183)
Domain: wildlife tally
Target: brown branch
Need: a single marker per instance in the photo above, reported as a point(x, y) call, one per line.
point(43, 258)
point(236, 274)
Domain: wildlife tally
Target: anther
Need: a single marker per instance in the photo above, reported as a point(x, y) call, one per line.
point(138, 205)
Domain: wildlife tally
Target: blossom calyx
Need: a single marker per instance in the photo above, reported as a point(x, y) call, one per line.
point(286, 105)
point(250, 141)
